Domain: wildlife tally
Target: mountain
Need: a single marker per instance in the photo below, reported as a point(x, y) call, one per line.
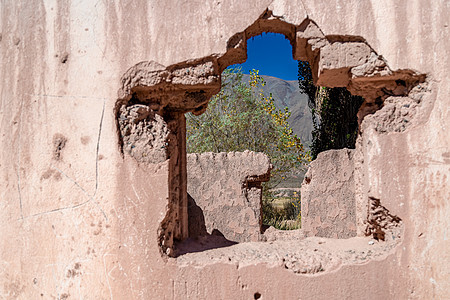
point(287, 93)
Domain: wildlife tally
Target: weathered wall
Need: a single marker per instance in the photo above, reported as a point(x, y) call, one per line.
point(328, 196)
point(227, 189)
point(84, 223)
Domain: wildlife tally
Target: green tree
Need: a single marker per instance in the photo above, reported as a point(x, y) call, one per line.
point(334, 113)
point(241, 117)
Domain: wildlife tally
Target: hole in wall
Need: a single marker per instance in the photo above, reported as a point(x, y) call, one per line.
point(250, 113)
point(365, 74)
point(238, 118)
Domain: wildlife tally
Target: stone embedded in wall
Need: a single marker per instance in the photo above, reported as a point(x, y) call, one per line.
point(144, 133)
point(225, 191)
point(328, 196)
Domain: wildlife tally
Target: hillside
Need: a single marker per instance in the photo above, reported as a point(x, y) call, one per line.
point(287, 93)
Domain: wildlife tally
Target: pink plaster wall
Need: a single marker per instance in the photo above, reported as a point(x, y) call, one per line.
point(85, 225)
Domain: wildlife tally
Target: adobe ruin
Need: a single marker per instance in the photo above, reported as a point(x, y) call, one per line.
point(95, 191)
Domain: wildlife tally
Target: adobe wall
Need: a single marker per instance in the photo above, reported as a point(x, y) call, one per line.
point(226, 190)
point(328, 196)
point(82, 218)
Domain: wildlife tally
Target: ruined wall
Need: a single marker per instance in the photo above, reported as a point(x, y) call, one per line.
point(227, 189)
point(328, 196)
point(83, 219)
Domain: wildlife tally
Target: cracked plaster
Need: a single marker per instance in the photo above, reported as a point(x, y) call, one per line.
point(405, 169)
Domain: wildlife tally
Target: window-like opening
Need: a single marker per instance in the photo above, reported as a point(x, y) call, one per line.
point(270, 104)
point(260, 108)
point(171, 91)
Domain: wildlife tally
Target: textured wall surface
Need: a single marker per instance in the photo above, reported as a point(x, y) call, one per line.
point(227, 188)
point(328, 196)
point(81, 219)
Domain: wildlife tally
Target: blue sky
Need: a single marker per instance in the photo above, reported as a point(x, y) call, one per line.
point(271, 54)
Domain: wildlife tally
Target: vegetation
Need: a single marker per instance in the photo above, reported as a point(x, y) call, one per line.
point(286, 217)
point(333, 111)
point(241, 117)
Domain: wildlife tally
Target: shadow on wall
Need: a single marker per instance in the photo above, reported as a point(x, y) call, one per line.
point(199, 239)
point(228, 189)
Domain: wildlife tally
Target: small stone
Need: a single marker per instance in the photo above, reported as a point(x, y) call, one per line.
point(371, 242)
